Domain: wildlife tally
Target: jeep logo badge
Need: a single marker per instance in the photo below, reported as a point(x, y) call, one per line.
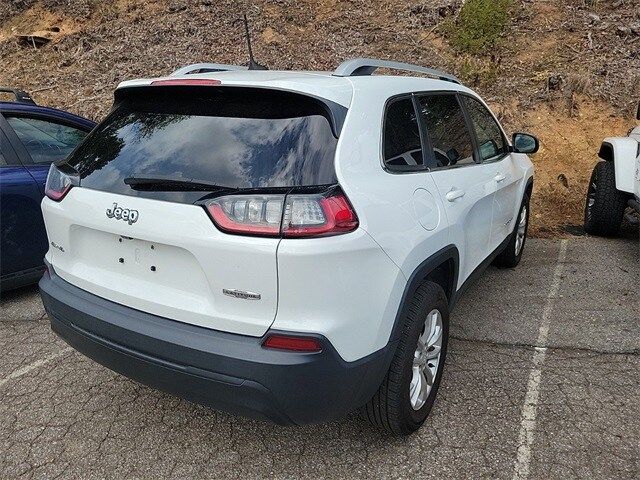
point(119, 213)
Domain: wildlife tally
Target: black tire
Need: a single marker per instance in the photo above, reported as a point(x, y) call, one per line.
point(390, 408)
point(509, 257)
point(605, 205)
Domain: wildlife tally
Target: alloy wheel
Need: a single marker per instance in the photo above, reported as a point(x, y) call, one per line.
point(426, 360)
point(522, 230)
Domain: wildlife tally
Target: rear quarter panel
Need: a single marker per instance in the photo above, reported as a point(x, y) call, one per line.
point(385, 201)
point(344, 287)
point(392, 209)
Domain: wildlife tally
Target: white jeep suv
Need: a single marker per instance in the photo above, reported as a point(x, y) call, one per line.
point(286, 245)
point(614, 188)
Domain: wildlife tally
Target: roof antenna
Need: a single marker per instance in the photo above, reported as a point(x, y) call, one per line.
point(253, 65)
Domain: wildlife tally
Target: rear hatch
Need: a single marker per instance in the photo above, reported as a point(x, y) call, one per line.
point(135, 229)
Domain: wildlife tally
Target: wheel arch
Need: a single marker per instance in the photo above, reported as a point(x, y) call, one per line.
point(622, 152)
point(606, 152)
point(528, 189)
point(441, 268)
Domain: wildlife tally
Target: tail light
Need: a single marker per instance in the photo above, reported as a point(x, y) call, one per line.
point(317, 215)
point(58, 183)
point(292, 216)
point(248, 214)
point(293, 344)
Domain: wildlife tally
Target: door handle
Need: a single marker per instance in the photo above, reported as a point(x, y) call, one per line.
point(500, 177)
point(453, 194)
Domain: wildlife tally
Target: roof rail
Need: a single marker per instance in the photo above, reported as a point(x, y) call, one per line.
point(366, 66)
point(206, 67)
point(21, 95)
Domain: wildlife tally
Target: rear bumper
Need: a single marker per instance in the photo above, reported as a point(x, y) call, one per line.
point(226, 371)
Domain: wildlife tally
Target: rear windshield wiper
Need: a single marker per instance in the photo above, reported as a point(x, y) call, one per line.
point(172, 184)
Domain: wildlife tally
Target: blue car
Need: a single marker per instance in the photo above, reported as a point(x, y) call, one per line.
point(31, 138)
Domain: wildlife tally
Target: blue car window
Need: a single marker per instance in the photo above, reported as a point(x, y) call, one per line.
point(46, 141)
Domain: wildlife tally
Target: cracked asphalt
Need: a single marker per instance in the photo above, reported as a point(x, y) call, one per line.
point(63, 416)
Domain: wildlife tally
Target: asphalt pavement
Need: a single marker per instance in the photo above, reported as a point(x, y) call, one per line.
point(541, 381)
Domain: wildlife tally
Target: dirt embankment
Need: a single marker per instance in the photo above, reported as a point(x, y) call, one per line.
point(567, 71)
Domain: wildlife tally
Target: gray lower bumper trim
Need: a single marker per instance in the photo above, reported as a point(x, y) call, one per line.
point(226, 371)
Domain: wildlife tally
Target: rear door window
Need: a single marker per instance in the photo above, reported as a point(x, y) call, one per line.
point(447, 130)
point(231, 137)
point(402, 146)
point(45, 141)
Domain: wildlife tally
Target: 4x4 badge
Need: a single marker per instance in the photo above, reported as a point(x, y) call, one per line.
point(126, 214)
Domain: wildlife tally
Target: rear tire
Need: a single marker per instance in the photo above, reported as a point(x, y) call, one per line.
point(512, 253)
point(403, 401)
point(605, 204)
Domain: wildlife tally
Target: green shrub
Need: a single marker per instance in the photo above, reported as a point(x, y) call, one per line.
point(478, 25)
point(475, 72)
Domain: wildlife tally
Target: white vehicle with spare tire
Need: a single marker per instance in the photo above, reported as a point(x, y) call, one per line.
point(614, 188)
point(285, 245)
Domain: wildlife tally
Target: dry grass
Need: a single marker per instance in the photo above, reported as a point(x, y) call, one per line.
point(569, 150)
point(100, 44)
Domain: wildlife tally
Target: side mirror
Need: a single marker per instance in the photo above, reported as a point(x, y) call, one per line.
point(525, 143)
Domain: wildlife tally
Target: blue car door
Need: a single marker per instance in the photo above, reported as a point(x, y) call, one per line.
point(20, 216)
point(37, 140)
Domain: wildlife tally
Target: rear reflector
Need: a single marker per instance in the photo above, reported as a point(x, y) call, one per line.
point(292, 216)
point(293, 344)
point(187, 82)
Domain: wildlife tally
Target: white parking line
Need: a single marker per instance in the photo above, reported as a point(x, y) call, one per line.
point(530, 407)
point(32, 366)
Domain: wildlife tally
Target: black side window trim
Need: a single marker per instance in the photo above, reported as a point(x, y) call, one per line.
point(425, 140)
point(472, 132)
point(11, 156)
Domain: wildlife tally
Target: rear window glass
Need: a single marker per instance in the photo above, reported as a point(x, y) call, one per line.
point(236, 138)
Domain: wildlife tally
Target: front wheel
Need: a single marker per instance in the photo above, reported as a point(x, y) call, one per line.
point(511, 255)
point(408, 391)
